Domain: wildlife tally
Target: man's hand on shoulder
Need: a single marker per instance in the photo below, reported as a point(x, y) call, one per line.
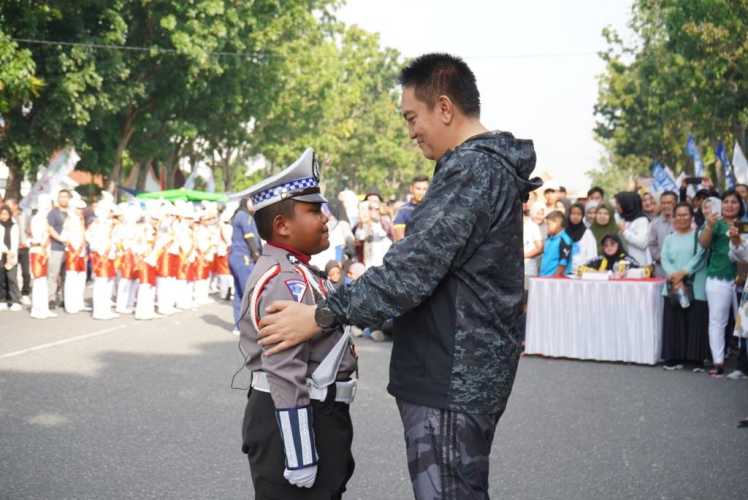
point(286, 324)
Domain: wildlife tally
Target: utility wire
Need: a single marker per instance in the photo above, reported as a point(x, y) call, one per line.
point(541, 55)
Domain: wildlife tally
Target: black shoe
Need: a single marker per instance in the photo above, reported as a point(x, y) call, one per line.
point(743, 424)
point(52, 305)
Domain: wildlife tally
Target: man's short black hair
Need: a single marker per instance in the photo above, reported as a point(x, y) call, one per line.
point(419, 178)
point(596, 189)
point(549, 190)
point(669, 193)
point(265, 216)
point(561, 189)
point(433, 75)
point(66, 191)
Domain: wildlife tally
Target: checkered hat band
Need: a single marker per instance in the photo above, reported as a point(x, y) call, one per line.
point(297, 185)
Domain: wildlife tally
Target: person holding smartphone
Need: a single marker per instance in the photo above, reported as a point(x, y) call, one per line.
point(716, 236)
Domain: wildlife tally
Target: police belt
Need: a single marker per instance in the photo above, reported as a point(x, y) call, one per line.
point(344, 391)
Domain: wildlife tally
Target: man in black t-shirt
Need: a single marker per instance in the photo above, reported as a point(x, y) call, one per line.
point(55, 271)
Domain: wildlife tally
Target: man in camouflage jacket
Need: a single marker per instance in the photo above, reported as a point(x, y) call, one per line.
point(453, 285)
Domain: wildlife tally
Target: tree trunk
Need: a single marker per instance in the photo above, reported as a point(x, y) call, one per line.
point(143, 168)
point(228, 173)
point(13, 186)
point(128, 127)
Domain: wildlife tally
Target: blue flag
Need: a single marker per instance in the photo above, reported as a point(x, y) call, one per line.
point(662, 179)
point(730, 179)
point(693, 151)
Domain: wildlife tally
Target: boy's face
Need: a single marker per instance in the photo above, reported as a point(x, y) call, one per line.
point(554, 227)
point(307, 230)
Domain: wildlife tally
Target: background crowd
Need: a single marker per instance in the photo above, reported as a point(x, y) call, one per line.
point(156, 258)
point(695, 239)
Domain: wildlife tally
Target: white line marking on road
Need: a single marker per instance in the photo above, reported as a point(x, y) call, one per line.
point(61, 342)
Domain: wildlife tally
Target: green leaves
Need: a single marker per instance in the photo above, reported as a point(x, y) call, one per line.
point(685, 75)
point(224, 82)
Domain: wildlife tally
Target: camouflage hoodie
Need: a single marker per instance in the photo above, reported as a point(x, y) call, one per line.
point(454, 284)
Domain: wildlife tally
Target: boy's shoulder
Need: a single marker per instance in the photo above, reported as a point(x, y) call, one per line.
point(278, 275)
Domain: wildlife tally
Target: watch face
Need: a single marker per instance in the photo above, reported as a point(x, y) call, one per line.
point(324, 317)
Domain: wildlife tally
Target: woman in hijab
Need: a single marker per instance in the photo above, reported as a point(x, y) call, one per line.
point(613, 253)
point(603, 225)
point(584, 248)
point(10, 298)
point(634, 227)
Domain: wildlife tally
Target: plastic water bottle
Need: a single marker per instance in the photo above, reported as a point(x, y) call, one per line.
point(683, 298)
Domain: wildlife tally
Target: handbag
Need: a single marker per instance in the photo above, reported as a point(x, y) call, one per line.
point(673, 297)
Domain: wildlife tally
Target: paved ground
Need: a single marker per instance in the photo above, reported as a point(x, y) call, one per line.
point(145, 410)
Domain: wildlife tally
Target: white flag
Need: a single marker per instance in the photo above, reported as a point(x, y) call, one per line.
point(60, 165)
point(740, 164)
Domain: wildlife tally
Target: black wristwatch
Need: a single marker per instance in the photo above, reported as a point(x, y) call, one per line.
point(324, 317)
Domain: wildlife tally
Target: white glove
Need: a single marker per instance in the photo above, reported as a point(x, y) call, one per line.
point(303, 478)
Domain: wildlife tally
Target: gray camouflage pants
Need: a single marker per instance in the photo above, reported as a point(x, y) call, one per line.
point(447, 452)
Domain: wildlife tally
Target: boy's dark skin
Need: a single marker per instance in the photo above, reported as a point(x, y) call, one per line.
point(306, 231)
point(554, 228)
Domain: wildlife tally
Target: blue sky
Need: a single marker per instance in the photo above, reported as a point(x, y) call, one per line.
point(535, 62)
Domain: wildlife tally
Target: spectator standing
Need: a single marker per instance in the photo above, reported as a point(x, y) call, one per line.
point(584, 246)
point(596, 194)
point(342, 241)
point(418, 189)
point(532, 245)
point(22, 219)
point(604, 225)
point(590, 211)
point(634, 227)
point(649, 206)
point(550, 200)
point(685, 325)
point(557, 247)
point(372, 234)
point(537, 215)
point(10, 297)
point(56, 269)
point(721, 273)
point(660, 228)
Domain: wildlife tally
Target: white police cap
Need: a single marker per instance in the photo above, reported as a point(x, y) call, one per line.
point(300, 182)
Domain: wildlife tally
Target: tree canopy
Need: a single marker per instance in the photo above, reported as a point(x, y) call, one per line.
point(686, 74)
point(137, 84)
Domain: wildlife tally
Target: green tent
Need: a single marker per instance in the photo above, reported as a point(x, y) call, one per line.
point(184, 195)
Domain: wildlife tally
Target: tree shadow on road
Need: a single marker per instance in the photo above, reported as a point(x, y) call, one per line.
point(142, 426)
point(215, 320)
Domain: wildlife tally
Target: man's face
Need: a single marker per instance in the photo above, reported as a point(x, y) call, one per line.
point(667, 205)
point(418, 190)
point(596, 197)
point(309, 228)
point(63, 199)
point(649, 205)
point(425, 124)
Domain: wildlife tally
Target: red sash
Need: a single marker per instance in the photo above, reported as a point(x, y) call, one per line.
point(75, 260)
point(102, 267)
point(146, 274)
point(38, 264)
point(202, 268)
point(126, 266)
point(221, 265)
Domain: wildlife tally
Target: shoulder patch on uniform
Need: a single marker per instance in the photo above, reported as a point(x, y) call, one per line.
point(297, 289)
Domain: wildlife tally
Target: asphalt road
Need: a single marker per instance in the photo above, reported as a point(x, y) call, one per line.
point(144, 410)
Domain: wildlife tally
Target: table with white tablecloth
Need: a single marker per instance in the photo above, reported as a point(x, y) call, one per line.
point(617, 320)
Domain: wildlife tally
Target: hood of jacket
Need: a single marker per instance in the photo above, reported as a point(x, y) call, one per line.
point(517, 156)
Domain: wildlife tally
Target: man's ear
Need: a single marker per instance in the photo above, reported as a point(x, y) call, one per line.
point(280, 226)
point(446, 109)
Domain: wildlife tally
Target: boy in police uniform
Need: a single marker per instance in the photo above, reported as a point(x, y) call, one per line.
point(297, 428)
